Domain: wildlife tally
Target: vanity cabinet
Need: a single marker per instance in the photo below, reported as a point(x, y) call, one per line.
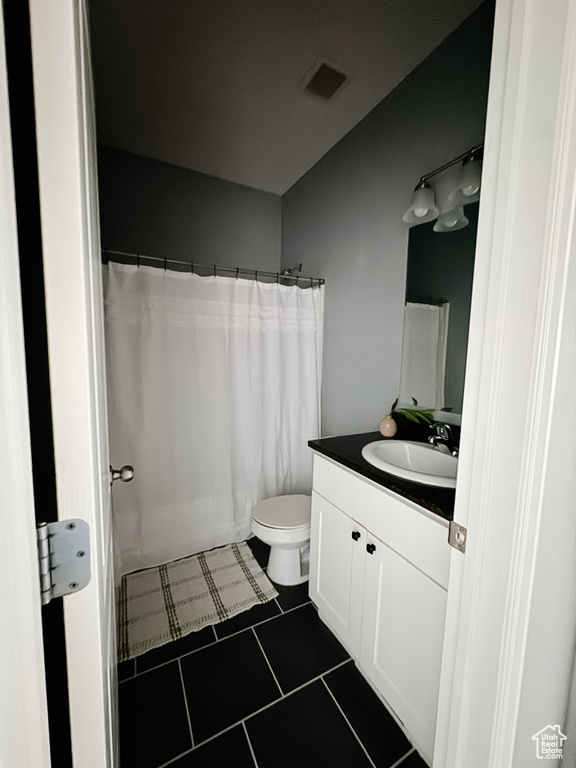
point(378, 576)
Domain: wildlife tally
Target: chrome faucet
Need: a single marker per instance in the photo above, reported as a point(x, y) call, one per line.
point(443, 438)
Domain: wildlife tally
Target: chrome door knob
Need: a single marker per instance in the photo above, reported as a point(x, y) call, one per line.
point(125, 474)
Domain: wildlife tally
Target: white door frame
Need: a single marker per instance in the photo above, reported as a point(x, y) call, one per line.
point(23, 714)
point(515, 483)
point(67, 175)
point(520, 301)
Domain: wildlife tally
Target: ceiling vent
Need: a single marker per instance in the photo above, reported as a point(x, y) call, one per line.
point(325, 81)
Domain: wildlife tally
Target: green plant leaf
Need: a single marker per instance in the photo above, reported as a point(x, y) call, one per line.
point(394, 406)
point(409, 414)
point(447, 408)
point(415, 401)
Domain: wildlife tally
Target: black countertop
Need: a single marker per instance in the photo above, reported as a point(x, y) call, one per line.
point(347, 450)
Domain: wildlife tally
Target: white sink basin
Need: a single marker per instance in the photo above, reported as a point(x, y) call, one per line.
point(418, 462)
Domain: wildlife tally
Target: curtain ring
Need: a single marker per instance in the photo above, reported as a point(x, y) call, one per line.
point(256, 275)
point(277, 276)
point(137, 259)
point(214, 270)
point(296, 283)
point(165, 264)
point(237, 271)
point(191, 267)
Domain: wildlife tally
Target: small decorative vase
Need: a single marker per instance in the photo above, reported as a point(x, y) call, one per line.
point(388, 426)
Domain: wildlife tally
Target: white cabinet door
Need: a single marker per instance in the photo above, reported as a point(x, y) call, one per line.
point(337, 549)
point(402, 635)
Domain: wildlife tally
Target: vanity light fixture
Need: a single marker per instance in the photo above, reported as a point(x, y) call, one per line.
point(422, 206)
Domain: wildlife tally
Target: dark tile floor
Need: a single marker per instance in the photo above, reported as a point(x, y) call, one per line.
point(270, 688)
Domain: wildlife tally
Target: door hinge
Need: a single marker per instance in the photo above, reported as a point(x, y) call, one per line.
point(457, 536)
point(63, 557)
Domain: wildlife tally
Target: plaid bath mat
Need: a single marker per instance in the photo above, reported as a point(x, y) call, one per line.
point(167, 602)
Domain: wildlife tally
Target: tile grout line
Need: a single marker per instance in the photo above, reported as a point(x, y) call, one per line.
point(295, 690)
point(173, 759)
point(267, 662)
point(208, 645)
point(202, 743)
point(249, 743)
point(257, 624)
point(169, 661)
point(271, 704)
point(186, 703)
point(348, 723)
point(398, 763)
point(265, 621)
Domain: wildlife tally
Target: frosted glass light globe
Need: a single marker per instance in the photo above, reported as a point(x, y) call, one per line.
point(451, 220)
point(422, 206)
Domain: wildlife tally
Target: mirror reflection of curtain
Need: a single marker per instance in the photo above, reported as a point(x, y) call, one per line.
point(424, 354)
point(213, 392)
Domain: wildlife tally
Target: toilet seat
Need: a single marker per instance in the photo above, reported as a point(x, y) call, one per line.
point(284, 512)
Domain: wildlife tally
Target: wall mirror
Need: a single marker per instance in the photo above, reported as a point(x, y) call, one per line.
point(438, 296)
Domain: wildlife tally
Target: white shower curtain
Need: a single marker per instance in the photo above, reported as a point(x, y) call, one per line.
point(424, 344)
point(213, 391)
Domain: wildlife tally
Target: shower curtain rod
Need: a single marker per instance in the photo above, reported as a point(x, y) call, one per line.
point(258, 274)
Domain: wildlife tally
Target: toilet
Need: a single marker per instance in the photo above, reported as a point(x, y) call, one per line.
point(283, 522)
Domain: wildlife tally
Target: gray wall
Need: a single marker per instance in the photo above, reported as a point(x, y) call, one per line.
point(343, 219)
point(442, 267)
point(163, 210)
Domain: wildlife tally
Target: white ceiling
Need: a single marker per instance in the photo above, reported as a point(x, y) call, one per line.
point(216, 85)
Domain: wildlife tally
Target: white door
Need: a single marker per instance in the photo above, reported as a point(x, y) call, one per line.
point(70, 236)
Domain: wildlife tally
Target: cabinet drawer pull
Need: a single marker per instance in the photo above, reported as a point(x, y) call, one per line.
point(370, 548)
point(355, 535)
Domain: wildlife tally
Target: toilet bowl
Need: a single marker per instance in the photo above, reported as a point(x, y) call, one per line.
point(283, 522)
